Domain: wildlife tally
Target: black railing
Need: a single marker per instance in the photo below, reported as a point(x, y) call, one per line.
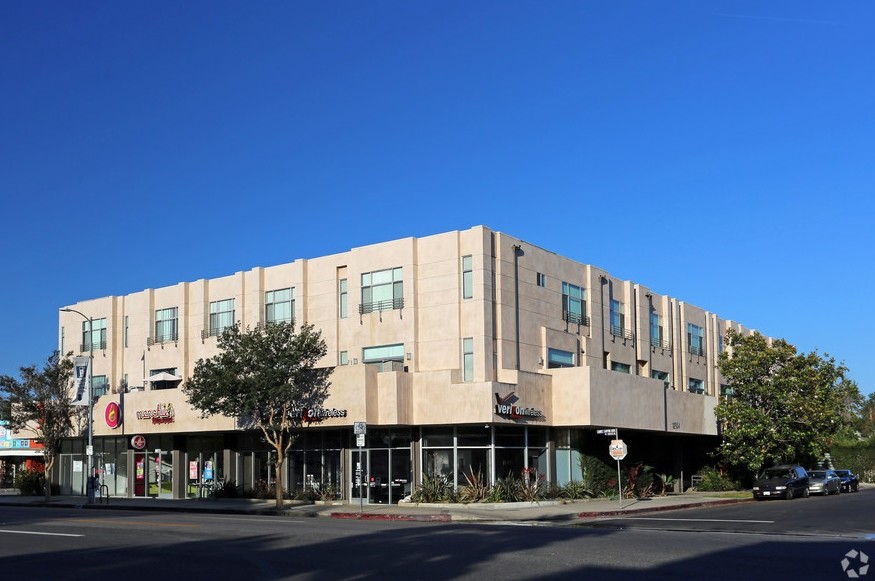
point(618, 331)
point(212, 332)
point(659, 343)
point(380, 306)
point(575, 318)
point(697, 350)
point(85, 347)
point(159, 339)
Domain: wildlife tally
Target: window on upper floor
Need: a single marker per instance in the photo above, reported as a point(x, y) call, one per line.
point(726, 391)
point(166, 325)
point(342, 299)
point(695, 339)
point(388, 357)
point(93, 335)
point(618, 320)
point(557, 358)
point(344, 358)
point(382, 290)
point(164, 378)
point(99, 385)
point(542, 279)
point(468, 359)
point(662, 376)
point(620, 367)
point(467, 277)
point(221, 316)
point(574, 304)
point(279, 306)
point(657, 331)
point(696, 386)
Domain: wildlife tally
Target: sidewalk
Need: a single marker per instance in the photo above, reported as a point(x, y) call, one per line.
point(555, 512)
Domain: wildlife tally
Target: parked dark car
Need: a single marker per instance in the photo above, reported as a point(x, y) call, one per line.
point(784, 481)
point(850, 482)
point(824, 482)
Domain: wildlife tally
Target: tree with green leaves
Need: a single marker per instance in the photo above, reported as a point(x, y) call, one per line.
point(40, 402)
point(265, 378)
point(784, 406)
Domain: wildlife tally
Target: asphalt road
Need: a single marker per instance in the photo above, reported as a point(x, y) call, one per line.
point(800, 539)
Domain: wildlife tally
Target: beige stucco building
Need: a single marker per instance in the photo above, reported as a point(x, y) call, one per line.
point(468, 350)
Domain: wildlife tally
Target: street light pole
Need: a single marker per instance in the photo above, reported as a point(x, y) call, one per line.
point(89, 450)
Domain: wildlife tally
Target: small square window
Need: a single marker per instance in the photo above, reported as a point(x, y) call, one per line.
point(542, 279)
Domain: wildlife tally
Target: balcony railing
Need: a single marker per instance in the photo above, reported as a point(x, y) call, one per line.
point(263, 324)
point(575, 318)
point(86, 347)
point(697, 350)
point(660, 344)
point(380, 306)
point(213, 332)
point(160, 339)
point(618, 331)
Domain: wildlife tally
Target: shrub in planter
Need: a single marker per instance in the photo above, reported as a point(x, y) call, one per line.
point(30, 483)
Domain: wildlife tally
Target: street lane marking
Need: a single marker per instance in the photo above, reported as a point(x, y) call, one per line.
point(36, 533)
point(134, 522)
point(692, 519)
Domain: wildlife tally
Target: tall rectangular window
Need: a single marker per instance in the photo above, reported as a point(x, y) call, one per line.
point(467, 277)
point(696, 386)
point(344, 357)
point(695, 339)
point(574, 304)
point(382, 290)
point(656, 330)
point(96, 339)
point(618, 318)
point(542, 279)
point(221, 316)
point(468, 359)
point(166, 325)
point(279, 306)
point(99, 385)
point(343, 300)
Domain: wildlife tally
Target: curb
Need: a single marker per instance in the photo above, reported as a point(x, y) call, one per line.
point(620, 512)
point(396, 517)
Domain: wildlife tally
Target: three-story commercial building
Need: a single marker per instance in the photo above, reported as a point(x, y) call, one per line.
point(468, 351)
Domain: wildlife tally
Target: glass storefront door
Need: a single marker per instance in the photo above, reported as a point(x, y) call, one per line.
point(385, 475)
point(160, 474)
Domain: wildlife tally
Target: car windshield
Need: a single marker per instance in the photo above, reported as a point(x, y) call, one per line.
point(817, 474)
point(775, 473)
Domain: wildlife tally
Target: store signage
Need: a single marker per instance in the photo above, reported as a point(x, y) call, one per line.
point(112, 414)
point(507, 407)
point(138, 442)
point(21, 444)
point(162, 414)
point(308, 415)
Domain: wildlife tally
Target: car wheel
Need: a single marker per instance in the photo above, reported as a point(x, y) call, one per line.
point(856, 488)
point(805, 493)
point(789, 495)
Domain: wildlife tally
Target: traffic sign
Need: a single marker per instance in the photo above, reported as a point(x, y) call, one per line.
point(618, 449)
point(360, 428)
point(360, 440)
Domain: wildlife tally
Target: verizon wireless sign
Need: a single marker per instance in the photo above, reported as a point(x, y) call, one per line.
point(508, 407)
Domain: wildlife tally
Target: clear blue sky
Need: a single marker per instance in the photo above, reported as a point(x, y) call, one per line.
point(720, 152)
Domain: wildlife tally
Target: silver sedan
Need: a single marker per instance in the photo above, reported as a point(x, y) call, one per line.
point(824, 482)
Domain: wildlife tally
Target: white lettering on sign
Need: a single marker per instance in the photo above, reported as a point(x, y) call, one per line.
point(162, 414)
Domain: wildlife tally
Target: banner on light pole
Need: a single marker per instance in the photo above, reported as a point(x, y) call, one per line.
point(81, 377)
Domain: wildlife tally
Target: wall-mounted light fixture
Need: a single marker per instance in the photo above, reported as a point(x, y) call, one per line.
point(409, 356)
point(355, 361)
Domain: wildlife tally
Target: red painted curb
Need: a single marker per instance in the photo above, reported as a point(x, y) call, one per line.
point(620, 512)
point(403, 517)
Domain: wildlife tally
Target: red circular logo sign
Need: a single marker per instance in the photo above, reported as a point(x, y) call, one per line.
point(112, 415)
point(138, 442)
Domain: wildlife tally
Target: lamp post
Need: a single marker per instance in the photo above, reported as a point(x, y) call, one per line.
point(89, 450)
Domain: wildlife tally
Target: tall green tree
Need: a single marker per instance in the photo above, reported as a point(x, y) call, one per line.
point(264, 378)
point(40, 402)
point(785, 406)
